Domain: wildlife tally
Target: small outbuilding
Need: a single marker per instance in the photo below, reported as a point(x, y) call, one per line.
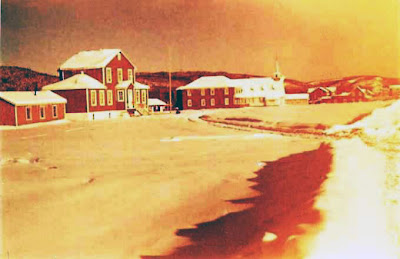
point(297, 98)
point(20, 108)
point(156, 105)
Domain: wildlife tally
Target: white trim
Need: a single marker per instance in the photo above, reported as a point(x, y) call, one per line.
point(188, 92)
point(226, 91)
point(189, 103)
point(123, 96)
point(212, 102)
point(103, 75)
point(87, 100)
point(108, 78)
point(40, 112)
point(93, 102)
point(130, 75)
point(110, 93)
point(16, 115)
point(203, 102)
point(52, 111)
point(203, 92)
point(102, 101)
point(30, 112)
point(119, 56)
point(137, 97)
point(144, 96)
point(212, 91)
point(226, 101)
point(120, 71)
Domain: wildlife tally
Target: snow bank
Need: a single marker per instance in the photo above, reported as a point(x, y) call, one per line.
point(382, 124)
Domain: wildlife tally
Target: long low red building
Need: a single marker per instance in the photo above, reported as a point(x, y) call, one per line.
point(21, 108)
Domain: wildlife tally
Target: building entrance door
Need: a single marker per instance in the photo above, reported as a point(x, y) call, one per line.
point(130, 99)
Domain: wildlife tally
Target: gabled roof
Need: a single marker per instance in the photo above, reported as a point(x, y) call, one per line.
point(138, 85)
point(79, 81)
point(90, 59)
point(124, 84)
point(208, 82)
point(29, 97)
point(155, 101)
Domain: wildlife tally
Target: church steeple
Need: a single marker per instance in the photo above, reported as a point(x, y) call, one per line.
point(277, 73)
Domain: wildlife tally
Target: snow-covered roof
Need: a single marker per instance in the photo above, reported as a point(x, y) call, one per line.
point(155, 101)
point(78, 81)
point(124, 84)
point(208, 82)
point(90, 59)
point(331, 89)
point(138, 85)
point(297, 96)
point(29, 97)
point(259, 87)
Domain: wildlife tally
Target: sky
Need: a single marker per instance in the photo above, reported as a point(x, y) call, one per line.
point(312, 39)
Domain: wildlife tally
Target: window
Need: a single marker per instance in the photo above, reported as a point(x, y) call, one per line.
point(189, 93)
point(226, 90)
point(28, 113)
point(108, 75)
point(144, 96)
point(119, 56)
point(120, 95)
point(203, 102)
point(137, 96)
point(93, 97)
point(130, 75)
point(102, 100)
point(212, 102)
point(189, 103)
point(212, 91)
point(42, 112)
point(54, 111)
point(203, 92)
point(119, 73)
point(226, 101)
point(109, 97)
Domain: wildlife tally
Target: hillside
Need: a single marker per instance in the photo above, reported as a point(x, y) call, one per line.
point(22, 79)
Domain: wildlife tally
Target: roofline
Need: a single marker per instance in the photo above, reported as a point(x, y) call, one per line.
point(135, 67)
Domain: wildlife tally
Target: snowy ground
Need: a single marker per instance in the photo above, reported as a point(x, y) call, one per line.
point(120, 188)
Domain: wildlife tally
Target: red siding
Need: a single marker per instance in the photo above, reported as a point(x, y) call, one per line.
point(7, 113)
point(219, 98)
point(96, 73)
point(21, 113)
point(76, 99)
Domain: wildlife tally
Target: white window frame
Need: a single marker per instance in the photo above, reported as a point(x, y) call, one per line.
point(189, 103)
point(93, 98)
point(54, 110)
point(203, 102)
point(130, 74)
point(120, 98)
point(203, 92)
point(108, 75)
point(226, 101)
point(144, 95)
point(120, 75)
point(109, 97)
point(102, 98)
point(226, 91)
point(212, 102)
point(28, 108)
point(137, 96)
point(188, 92)
point(212, 91)
point(42, 107)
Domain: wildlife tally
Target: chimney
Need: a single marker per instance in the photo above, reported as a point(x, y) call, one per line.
point(36, 88)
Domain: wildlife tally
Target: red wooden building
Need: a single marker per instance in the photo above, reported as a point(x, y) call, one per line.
point(207, 92)
point(83, 93)
point(20, 108)
point(112, 69)
point(318, 94)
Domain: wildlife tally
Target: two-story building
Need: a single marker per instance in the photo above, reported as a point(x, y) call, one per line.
point(102, 83)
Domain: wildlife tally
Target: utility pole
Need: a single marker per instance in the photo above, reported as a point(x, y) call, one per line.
point(170, 80)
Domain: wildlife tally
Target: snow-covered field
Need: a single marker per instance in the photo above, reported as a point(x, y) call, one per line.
point(117, 188)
